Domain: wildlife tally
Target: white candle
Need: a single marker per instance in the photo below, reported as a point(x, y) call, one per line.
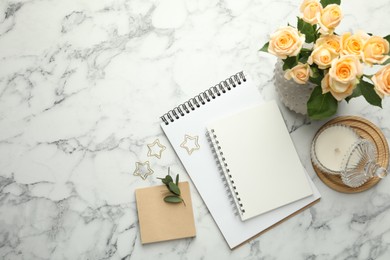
point(332, 144)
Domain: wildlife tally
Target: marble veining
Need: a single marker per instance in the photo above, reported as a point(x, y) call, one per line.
point(82, 87)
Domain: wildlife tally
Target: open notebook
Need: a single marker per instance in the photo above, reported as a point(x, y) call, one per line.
point(258, 160)
point(185, 126)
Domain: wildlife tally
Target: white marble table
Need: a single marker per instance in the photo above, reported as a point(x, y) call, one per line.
point(82, 87)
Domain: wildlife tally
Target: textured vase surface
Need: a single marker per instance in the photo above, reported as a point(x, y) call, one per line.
point(293, 95)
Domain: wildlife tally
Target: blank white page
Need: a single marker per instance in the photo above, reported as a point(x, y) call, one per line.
point(262, 161)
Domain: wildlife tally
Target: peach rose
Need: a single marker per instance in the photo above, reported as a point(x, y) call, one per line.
point(375, 50)
point(381, 81)
point(331, 40)
point(309, 10)
point(329, 18)
point(285, 42)
point(353, 44)
point(322, 55)
point(346, 68)
point(300, 73)
point(339, 92)
point(343, 76)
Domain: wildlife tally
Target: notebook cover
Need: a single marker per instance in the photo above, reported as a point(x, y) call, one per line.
point(161, 221)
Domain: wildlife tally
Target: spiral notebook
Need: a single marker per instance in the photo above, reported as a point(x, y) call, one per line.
point(258, 159)
point(185, 127)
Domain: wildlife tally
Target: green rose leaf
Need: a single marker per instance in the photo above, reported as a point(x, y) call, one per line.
point(387, 38)
point(386, 62)
point(356, 93)
point(316, 81)
point(173, 199)
point(307, 29)
point(321, 106)
point(265, 47)
point(315, 72)
point(303, 59)
point(289, 62)
point(177, 179)
point(304, 55)
point(368, 92)
point(316, 75)
point(174, 188)
point(328, 2)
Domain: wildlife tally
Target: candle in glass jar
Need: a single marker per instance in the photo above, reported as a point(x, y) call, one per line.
point(332, 144)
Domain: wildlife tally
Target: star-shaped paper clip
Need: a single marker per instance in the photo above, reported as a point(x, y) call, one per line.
point(190, 143)
point(143, 170)
point(152, 146)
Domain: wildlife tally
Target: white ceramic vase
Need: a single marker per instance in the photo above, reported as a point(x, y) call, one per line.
point(293, 95)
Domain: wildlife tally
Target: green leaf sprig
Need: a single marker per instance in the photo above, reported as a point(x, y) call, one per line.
point(173, 187)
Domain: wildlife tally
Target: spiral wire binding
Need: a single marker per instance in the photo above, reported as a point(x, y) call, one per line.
point(204, 97)
point(230, 188)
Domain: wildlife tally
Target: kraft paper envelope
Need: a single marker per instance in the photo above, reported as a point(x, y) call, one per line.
point(159, 220)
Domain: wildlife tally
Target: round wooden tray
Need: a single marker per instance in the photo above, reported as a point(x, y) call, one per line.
point(366, 130)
